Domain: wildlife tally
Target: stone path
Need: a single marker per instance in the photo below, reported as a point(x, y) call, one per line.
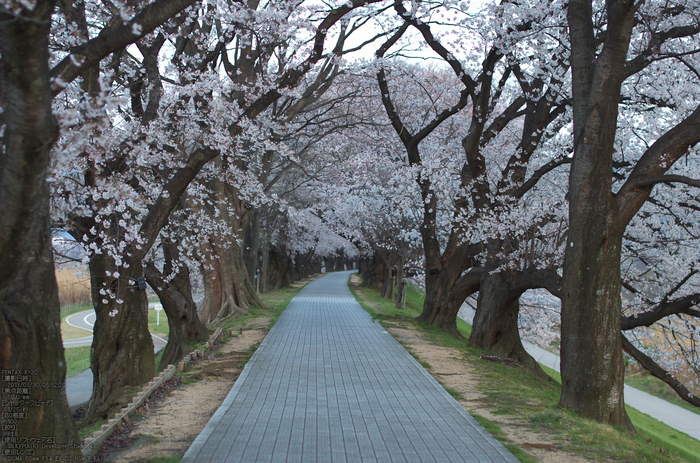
point(330, 385)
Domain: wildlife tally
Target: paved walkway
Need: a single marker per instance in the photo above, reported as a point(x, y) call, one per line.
point(329, 385)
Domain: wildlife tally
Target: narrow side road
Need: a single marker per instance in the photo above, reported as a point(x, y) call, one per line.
point(79, 387)
point(671, 414)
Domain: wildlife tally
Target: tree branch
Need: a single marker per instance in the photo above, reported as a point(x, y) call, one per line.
point(653, 180)
point(539, 173)
point(90, 53)
point(656, 370)
point(664, 309)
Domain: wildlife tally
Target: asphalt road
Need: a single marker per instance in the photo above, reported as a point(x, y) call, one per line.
point(86, 321)
point(79, 387)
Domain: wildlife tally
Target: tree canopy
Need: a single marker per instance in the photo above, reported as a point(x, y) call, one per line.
point(534, 155)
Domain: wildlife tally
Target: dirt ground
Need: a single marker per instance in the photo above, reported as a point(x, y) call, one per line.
point(452, 371)
point(168, 427)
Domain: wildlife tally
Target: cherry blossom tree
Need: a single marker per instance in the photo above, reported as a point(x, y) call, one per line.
point(616, 49)
point(132, 158)
point(506, 122)
point(30, 79)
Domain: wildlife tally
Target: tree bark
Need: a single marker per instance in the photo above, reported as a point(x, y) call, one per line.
point(373, 272)
point(251, 244)
point(227, 290)
point(175, 294)
point(122, 349)
point(445, 292)
point(29, 307)
point(278, 270)
point(495, 327)
point(401, 285)
point(592, 365)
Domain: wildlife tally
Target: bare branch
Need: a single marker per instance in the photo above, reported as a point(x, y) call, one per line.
point(683, 305)
point(656, 370)
point(668, 179)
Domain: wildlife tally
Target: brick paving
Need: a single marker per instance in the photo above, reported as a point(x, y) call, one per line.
point(330, 385)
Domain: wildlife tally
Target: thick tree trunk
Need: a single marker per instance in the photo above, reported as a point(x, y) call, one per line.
point(592, 367)
point(122, 348)
point(445, 292)
point(224, 294)
point(281, 269)
point(495, 327)
point(227, 288)
point(592, 364)
point(373, 272)
point(30, 320)
point(304, 265)
point(175, 294)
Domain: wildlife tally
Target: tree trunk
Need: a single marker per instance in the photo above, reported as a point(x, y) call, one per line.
point(175, 294)
point(29, 308)
point(264, 273)
point(304, 265)
point(445, 291)
point(495, 327)
point(388, 286)
point(592, 365)
point(122, 348)
point(372, 272)
point(224, 294)
point(227, 288)
point(251, 244)
point(281, 269)
point(401, 283)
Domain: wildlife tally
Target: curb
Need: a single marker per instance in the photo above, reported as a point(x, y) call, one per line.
point(91, 445)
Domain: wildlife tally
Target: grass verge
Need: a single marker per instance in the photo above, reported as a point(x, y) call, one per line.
point(519, 405)
point(654, 386)
point(77, 360)
point(257, 318)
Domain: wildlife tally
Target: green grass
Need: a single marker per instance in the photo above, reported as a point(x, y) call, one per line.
point(280, 298)
point(74, 308)
point(159, 330)
point(250, 319)
point(518, 396)
point(498, 433)
point(168, 459)
point(87, 431)
point(654, 430)
point(77, 360)
point(662, 435)
point(380, 308)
